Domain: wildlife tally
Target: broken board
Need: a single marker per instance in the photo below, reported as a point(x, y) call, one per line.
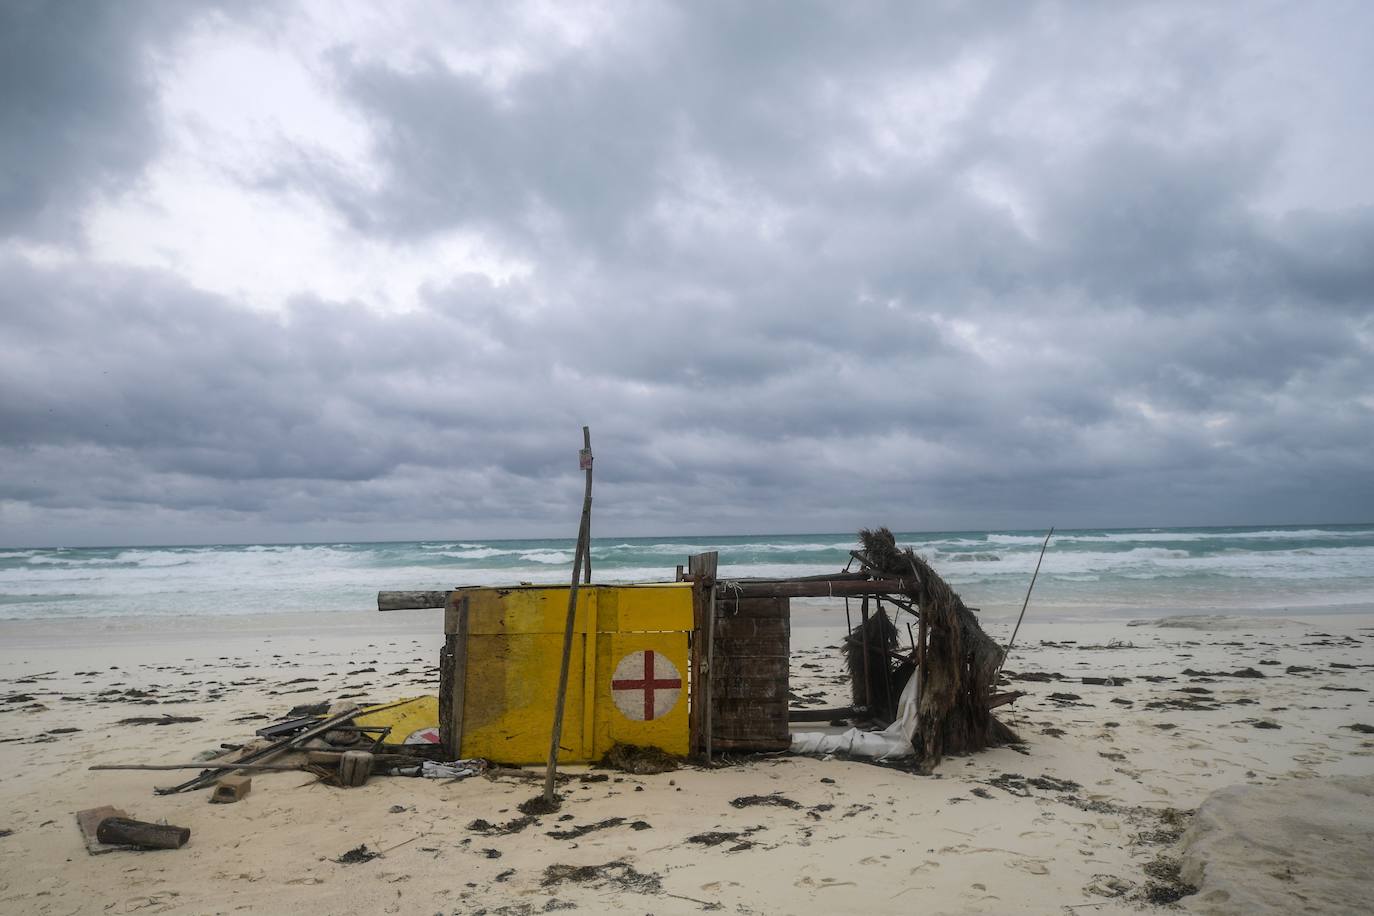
point(89, 820)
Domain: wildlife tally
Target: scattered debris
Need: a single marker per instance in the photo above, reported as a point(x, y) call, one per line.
point(1020, 785)
point(776, 799)
point(573, 833)
point(230, 789)
point(158, 720)
point(487, 828)
point(715, 837)
point(618, 873)
point(1243, 672)
point(354, 768)
point(540, 805)
point(1167, 886)
point(641, 761)
point(357, 854)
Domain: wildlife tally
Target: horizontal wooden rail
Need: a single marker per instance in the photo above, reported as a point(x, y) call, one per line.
point(810, 588)
point(404, 601)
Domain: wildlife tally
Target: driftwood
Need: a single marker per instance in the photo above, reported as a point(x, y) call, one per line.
point(960, 661)
point(125, 831)
point(216, 770)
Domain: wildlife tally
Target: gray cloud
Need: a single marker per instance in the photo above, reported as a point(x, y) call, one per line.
point(76, 104)
point(953, 266)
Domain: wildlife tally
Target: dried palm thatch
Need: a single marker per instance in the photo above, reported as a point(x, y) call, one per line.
point(961, 660)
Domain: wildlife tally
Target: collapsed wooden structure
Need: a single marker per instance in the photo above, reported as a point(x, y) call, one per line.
point(739, 646)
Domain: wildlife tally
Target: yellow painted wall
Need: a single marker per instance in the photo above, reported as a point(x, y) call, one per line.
point(514, 649)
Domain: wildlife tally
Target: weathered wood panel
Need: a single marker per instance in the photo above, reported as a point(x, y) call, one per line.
point(749, 681)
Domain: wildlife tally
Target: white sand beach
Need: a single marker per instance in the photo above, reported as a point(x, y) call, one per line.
point(1088, 813)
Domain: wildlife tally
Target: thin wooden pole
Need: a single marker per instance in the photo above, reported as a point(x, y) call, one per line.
point(1011, 642)
point(868, 682)
point(886, 667)
point(587, 541)
point(551, 774)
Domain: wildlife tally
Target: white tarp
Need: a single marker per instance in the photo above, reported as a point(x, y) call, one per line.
point(890, 743)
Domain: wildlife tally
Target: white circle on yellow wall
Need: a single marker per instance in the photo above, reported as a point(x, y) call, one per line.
point(646, 685)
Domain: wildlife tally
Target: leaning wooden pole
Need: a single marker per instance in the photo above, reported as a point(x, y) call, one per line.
point(1011, 642)
point(585, 462)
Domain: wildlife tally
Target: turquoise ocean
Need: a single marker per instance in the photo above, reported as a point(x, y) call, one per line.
point(1086, 573)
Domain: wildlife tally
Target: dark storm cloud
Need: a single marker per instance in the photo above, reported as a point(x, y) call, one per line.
point(77, 111)
point(955, 265)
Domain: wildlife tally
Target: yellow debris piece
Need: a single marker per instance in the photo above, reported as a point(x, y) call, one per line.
point(412, 721)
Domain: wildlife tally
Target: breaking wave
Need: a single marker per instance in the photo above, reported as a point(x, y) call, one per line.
point(1215, 567)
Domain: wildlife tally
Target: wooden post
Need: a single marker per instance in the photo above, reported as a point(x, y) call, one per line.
point(863, 633)
point(453, 675)
point(889, 707)
point(702, 567)
point(585, 463)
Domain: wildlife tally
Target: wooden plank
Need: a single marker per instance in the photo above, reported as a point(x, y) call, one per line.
point(88, 822)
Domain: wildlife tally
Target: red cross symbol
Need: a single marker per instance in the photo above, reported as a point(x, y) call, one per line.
point(648, 683)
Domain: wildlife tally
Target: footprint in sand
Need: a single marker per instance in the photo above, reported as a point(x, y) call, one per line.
point(1030, 866)
point(927, 865)
point(824, 883)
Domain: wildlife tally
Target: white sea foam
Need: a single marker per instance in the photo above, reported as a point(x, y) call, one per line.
point(1162, 568)
point(477, 553)
point(562, 557)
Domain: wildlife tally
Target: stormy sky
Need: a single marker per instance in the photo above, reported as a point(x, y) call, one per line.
point(328, 272)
